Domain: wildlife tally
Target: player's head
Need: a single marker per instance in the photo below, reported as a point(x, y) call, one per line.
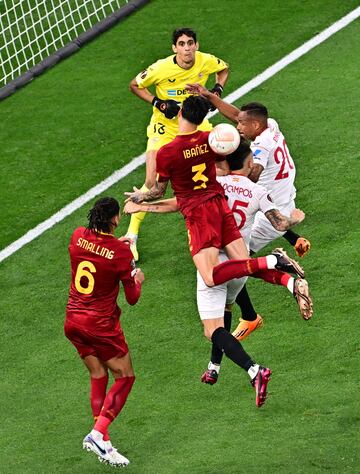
point(184, 46)
point(252, 120)
point(241, 158)
point(105, 215)
point(194, 109)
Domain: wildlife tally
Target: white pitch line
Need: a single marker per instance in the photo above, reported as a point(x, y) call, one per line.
point(138, 161)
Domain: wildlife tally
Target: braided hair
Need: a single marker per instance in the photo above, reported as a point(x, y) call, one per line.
point(101, 214)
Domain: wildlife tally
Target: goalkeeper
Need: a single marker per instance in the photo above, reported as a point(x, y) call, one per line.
point(170, 76)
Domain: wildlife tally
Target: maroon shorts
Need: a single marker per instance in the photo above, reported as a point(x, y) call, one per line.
point(211, 224)
point(103, 347)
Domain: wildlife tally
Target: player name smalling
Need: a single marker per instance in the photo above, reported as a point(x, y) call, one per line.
point(195, 151)
point(95, 248)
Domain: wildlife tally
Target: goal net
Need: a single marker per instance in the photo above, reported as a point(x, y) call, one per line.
point(33, 30)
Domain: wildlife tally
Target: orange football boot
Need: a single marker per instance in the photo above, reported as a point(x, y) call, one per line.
point(247, 327)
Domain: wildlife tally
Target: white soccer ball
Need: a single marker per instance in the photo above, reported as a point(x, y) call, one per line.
point(224, 139)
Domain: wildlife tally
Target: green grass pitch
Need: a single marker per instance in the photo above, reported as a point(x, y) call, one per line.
point(74, 126)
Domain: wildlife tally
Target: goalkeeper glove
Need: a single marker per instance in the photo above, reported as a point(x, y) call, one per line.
point(169, 108)
point(218, 90)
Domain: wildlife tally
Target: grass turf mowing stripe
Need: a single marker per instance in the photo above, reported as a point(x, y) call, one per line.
point(136, 162)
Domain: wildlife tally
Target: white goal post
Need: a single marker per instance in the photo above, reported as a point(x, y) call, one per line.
point(37, 34)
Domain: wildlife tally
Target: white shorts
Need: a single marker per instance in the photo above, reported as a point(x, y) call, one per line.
point(262, 232)
point(211, 301)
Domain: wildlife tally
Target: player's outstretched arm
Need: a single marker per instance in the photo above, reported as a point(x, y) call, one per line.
point(156, 192)
point(227, 110)
point(283, 223)
point(167, 205)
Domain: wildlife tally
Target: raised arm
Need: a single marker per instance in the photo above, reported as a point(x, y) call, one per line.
point(227, 110)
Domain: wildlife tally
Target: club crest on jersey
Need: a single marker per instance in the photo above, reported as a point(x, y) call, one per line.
point(143, 74)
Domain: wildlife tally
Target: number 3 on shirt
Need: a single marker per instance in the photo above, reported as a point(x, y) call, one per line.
point(199, 176)
point(85, 271)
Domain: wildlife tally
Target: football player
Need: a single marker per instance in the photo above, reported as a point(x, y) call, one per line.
point(169, 77)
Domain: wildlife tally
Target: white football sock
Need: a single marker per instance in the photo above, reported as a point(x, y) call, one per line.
point(215, 367)
point(271, 261)
point(254, 369)
point(290, 285)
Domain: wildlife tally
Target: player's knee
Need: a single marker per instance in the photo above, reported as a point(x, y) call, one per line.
point(208, 333)
point(208, 280)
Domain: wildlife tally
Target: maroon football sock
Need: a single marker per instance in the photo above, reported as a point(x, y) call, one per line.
point(237, 268)
point(97, 397)
point(98, 394)
point(276, 277)
point(114, 402)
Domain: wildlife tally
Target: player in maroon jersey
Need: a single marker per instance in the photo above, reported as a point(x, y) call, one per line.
point(99, 262)
point(189, 164)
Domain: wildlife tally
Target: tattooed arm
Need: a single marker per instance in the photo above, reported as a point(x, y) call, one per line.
point(167, 205)
point(283, 223)
point(156, 192)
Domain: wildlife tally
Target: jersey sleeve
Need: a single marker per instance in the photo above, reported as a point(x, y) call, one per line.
point(214, 64)
point(265, 201)
point(127, 272)
point(162, 166)
point(260, 154)
point(148, 76)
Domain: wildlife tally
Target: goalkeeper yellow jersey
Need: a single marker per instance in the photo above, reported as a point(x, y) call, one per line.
point(170, 80)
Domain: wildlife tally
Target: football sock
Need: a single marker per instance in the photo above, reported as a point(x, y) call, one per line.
point(291, 237)
point(137, 218)
point(253, 370)
point(238, 268)
point(227, 343)
point(290, 285)
point(216, 353)
point(248, 312)
point(97, 397)
point(212, 366)
point(114, 402)
point(275, 277)
point(98, 394)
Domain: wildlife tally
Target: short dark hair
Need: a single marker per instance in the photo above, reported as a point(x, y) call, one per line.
point(183, 31)
point(237, 158)
point(194, 109)
point(101, 214)
point(256, 110)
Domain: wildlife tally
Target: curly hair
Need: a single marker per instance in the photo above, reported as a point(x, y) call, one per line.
point(101, 214)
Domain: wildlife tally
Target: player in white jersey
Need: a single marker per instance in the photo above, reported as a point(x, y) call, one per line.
point(246, 199)
point(274, 167)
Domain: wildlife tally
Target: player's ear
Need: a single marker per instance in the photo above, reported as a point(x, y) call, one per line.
point(197, 45)
point(174, 48)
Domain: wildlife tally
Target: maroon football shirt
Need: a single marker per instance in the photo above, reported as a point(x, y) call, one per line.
point(98, 263)
point(189, 163)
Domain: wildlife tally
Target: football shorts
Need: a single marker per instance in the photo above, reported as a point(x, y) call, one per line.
point(102, 347)
point(211, 301)
point(211, 224)
point(262, 232)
